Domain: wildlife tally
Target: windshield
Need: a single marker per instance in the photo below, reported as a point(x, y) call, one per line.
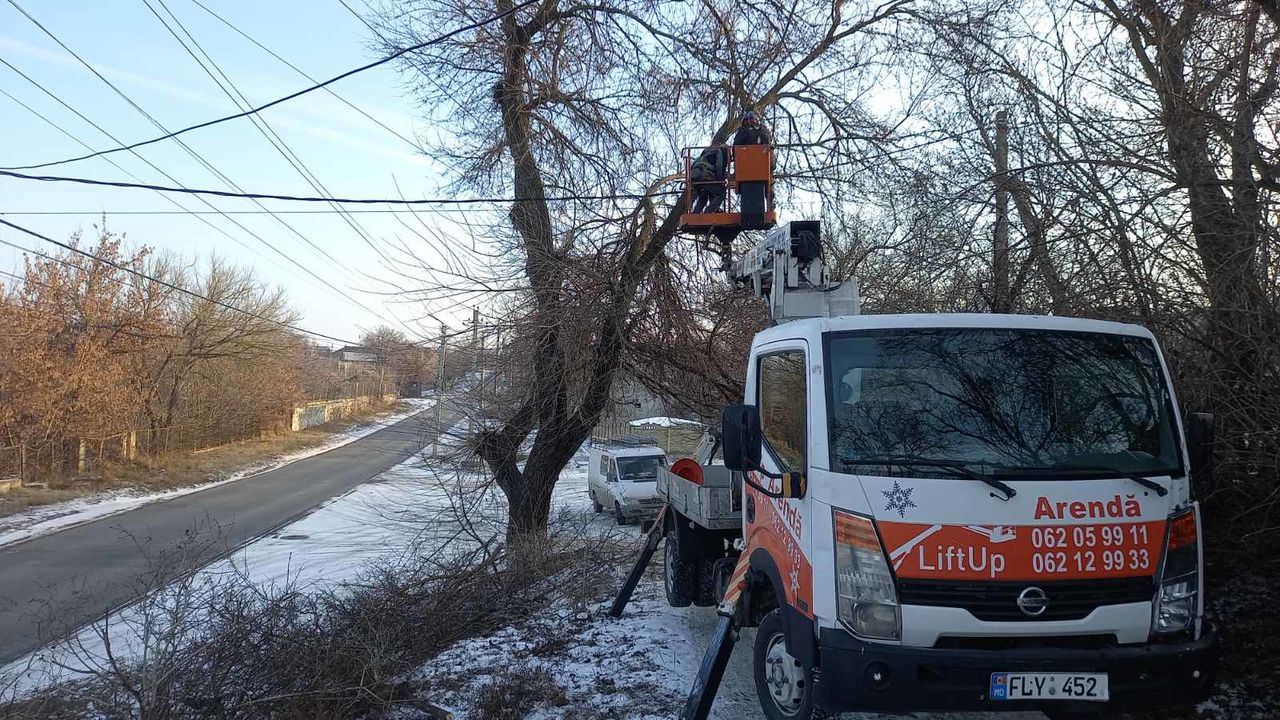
point(632, 469)
point(1000, 400)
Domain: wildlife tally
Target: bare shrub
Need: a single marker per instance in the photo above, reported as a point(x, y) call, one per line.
point(516, 694)
point(223, 646)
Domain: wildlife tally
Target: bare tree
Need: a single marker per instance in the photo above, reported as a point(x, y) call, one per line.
point(593, 99)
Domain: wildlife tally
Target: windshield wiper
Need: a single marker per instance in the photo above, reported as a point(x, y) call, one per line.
point(1139, 478)
point(956, 467)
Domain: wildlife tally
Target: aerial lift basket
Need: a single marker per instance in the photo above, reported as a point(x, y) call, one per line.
point(748, 188)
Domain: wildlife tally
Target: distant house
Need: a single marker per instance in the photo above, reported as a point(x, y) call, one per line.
point(355, 354)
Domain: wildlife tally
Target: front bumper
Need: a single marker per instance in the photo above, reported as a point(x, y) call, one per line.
point(641, 509)
point(912, 678)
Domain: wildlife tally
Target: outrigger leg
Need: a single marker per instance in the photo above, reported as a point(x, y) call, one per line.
point(723, 638)
point(651, 539)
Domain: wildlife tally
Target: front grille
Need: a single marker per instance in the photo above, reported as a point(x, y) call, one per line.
point(1064, 642)
point(997, 601)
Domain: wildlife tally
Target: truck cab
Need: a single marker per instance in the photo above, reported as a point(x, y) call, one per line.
point(966, 512)
point(622, 476)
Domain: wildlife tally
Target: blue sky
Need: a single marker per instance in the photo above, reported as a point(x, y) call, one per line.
point(351, 155)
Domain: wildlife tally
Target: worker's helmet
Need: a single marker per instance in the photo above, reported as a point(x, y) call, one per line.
point(750, 118)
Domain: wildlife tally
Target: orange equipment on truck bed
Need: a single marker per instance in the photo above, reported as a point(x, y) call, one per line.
point(748, 178)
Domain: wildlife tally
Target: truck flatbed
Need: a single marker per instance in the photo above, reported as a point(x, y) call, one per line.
point(716, 502)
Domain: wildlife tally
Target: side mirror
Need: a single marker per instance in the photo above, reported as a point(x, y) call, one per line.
point(740, 435)
point(1200, 440)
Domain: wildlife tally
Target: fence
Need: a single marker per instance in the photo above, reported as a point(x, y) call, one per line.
point(319, 413)
point(62, 457)
point(677, 439)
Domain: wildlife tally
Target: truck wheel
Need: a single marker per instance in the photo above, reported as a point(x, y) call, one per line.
point(783, 683)
point(679, 566)
point(706, 584)
point(595, 504)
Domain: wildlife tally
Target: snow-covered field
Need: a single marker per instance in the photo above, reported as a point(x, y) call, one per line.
point(45, 519)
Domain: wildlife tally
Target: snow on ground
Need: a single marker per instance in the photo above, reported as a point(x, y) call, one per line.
point(665, 422)
point(638, 667)
point(45, 519)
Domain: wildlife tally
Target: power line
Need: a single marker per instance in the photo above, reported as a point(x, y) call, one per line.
point(124, 96)
point(357, 211)
point(343, 200)
point(260, 123)
point(286, 98)
point(145, 276)
point(184, 210)
point(304, 74)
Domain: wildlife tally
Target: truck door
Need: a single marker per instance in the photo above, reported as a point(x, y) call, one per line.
point(774, 525)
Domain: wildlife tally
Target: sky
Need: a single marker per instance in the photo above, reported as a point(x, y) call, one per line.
point(351, 155)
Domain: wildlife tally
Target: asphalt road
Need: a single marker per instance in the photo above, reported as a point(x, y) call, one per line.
point(54, 584)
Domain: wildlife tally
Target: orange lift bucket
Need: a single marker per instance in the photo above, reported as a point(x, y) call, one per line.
point(747, 189)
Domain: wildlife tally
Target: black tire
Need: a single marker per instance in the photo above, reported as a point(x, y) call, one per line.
point(784, 684)
point(679, 566)
point(618, 514)
point(706, 584)
point(595, 504)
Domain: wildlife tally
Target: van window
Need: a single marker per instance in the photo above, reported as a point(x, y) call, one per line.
point(604, 466)
point(640, 469)
point(783, 406)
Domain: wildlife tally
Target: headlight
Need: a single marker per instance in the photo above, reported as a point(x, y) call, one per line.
point(1177, 601)
point(866, 598)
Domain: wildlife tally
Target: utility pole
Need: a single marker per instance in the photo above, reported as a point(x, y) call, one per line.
point(444, 331)
point(475, 348)
point(1000, 300)
point(475, 334)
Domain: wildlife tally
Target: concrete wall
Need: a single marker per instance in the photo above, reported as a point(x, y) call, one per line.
point(319, 413)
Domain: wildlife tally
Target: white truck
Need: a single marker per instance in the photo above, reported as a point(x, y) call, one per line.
point(622, 475)
point(948, 512)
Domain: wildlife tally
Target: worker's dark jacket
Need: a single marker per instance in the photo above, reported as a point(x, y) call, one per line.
point(752, 135)
point(709, 166)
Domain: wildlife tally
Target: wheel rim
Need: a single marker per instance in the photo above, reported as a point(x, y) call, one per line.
point(784, 676)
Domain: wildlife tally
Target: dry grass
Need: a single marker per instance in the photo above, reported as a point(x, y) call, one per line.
point(518, 693)
point(180, 469)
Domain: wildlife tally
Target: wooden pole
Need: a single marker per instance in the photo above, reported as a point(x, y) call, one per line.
point(1000, 300)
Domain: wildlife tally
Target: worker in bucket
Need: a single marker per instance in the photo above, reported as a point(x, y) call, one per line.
point(751, 131)
point(707, 177)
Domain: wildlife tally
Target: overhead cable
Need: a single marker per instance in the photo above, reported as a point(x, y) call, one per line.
point(286, 98)
point(303, 198)
point(145, 276)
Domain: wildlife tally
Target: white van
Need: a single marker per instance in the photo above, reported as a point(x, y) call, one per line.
point(623, 476)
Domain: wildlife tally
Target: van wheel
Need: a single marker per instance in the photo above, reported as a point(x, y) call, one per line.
point(595, 504)
point(679, 566)
point(618, 514)
point(783, 683)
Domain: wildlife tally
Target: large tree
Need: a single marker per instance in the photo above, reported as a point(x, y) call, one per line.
point(565, 98)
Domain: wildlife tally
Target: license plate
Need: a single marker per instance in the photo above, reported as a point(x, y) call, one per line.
point(1049, 686)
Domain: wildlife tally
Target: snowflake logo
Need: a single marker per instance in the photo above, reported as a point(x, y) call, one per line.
point(899, 499)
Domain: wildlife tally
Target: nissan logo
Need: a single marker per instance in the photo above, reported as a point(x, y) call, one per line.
point(1033, 602)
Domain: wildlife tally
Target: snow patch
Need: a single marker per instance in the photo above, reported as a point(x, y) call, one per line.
point(665, 422)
